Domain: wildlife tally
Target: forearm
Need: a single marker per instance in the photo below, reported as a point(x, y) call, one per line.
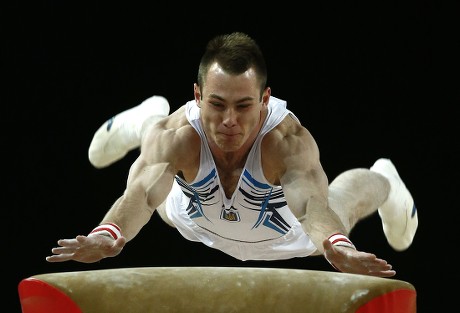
point(129, 216)
point(320, 222)
point(147, 188)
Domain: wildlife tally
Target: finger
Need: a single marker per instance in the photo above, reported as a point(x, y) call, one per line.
point(327, 245)
point(377, 263)
point(388, 273)
point(329, 251)
point(81, 238)
point(59, 258)
point(380, 268)
point(120, 242)
point(70, 243)
point(63, 250)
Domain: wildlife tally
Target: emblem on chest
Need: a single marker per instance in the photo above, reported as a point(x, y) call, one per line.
point(230, 214)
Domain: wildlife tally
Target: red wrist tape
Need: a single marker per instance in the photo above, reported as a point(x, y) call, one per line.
point(107, 229)
point(340, 240)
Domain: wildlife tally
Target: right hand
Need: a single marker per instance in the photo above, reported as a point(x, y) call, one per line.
point(86, 249)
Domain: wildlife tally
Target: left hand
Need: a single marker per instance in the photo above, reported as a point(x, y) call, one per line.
point(349, 260)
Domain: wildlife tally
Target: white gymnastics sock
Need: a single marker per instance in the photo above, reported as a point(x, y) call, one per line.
point(123, 132)
point(398, 213)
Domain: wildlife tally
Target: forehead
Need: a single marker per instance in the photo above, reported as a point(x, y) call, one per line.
point(218, 78)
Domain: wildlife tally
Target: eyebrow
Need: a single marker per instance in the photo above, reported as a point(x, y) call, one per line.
point(212, 95)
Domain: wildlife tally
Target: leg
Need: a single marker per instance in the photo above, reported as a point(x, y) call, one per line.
point(356, 194)
point(162, 213)
point(123, 132)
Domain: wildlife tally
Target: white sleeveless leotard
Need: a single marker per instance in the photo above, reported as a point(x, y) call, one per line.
point(256, 223)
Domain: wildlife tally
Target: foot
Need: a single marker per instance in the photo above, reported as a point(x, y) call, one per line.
point(398, 213)
point(123, 132)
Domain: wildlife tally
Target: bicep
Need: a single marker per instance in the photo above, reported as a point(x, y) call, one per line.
point(151, 175)
point(303, 178)
point(164, 153)
point(149, 184)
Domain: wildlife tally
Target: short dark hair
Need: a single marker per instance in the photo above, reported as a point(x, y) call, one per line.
point(235, 53)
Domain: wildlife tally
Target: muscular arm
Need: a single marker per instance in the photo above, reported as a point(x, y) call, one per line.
point(295, 156)
point(148, 186)
point(305, 184)
point(151, 176)
point(149, 181)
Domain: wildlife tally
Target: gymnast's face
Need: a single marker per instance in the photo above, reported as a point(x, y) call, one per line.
point(232, 110)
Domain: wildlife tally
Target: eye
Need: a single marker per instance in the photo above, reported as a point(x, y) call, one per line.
point(244, 106)
point(218, 105)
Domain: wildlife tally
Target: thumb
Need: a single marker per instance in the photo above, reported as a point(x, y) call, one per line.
point(329, 253)
point(327, 245)
point(120, 242)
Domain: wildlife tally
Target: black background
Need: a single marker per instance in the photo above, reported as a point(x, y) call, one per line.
point(368, 80)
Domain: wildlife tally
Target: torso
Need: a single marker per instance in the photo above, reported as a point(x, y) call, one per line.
point(229, 172)
point(235, 204)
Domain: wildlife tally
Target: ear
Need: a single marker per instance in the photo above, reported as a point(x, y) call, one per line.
point(266, 96)
point(197, 94)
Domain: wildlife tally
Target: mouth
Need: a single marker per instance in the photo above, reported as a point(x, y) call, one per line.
point(230, 135)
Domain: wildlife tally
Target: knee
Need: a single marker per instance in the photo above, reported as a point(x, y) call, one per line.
point(164, 216)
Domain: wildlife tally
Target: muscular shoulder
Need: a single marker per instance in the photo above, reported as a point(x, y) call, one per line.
point(172, 140)
point(288, 144)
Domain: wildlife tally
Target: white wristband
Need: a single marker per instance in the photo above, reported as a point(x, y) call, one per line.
point(341, 240)
point(107, 229)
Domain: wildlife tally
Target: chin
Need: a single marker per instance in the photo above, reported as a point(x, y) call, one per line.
point(228, 146)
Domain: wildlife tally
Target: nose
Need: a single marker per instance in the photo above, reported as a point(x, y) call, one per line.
point(230, 117)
